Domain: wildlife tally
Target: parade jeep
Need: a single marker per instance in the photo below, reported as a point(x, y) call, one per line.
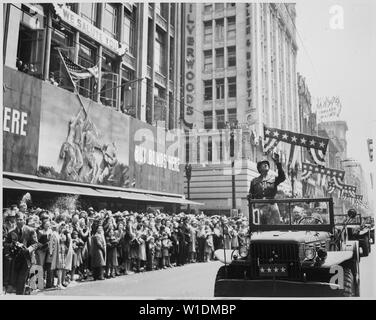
point(356, 229)
point(304, 255)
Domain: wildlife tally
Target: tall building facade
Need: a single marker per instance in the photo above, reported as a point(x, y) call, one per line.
point(239, 66)
point(135, 46)
point(107, 130)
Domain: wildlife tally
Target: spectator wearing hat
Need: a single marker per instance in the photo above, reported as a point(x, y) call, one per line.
point(77, 246)
point(111, 258)
point(158, 252)
point(141, 258)
point(192, 241)
point(201, 239)
point(44, 235)
point(217, 236)
point(166, 245)
point(59, 253)
point(208, 244)
point(150, 243)
point(10, 221)
point(175, 244)
point(98, 261)
point(20, 242)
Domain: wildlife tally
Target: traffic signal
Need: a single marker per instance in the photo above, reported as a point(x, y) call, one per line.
point(232, 153)
point(370, 149)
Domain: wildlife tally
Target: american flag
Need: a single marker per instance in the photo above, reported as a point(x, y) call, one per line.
point(348, 191)
point(309, 168)
point(359, 200)
point(78, 72)
point(316, 146)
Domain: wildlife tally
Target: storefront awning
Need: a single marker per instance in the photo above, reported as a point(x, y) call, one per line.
point(30, 185)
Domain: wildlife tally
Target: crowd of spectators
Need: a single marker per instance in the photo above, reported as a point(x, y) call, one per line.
point(83, 245)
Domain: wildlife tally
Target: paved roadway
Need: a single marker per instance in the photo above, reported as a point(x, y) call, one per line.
point(189, 281)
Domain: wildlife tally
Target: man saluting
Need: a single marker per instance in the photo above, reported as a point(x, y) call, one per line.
point(265, 187)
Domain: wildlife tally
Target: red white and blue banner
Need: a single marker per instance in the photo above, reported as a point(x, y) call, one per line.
point(336, 176)
point(316, 146)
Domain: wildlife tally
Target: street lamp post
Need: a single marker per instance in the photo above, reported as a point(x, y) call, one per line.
point(233, 126)
point(188, 174)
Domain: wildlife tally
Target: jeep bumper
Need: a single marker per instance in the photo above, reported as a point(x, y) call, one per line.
point(274, 288)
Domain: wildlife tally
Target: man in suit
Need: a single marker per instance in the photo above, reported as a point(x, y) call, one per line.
point(21, 241)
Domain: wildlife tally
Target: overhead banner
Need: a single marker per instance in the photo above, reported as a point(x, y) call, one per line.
point(88, 29)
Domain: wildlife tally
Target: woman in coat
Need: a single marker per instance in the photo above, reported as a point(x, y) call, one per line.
point(111, 258)
point(192, 242)
point(98, 251)
point(208, 243)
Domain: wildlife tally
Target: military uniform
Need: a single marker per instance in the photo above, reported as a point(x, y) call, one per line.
point(266, 188)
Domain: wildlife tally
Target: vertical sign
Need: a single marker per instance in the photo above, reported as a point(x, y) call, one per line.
point(250, 110)
point(189, 63)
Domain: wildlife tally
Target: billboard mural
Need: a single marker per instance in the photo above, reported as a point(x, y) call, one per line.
point(154, 158)
point(21, 118)
point(82, 142)
point(48, 132)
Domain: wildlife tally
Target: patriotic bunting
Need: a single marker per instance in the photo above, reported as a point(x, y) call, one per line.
point(331, 187)
point(316, 146)
point(309, 168)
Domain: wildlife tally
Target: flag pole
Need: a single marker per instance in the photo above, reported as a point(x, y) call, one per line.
point(74, 85)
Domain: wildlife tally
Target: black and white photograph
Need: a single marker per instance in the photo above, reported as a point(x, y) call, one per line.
point(188, 150)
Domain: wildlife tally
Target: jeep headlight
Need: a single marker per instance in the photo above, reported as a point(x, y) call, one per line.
point(243, 251)
point(310, 253)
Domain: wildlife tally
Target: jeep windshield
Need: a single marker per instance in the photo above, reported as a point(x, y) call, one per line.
point(291, 214)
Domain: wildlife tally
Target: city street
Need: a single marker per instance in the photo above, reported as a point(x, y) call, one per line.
point(190, 281)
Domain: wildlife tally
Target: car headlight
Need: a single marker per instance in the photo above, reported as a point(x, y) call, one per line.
point(310, 253)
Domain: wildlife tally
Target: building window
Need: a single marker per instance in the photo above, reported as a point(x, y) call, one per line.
point(129, 32)
point(208, 31)
point(108, 90)
point(87, 57)
point(232, 87)
point(219, 27)
point(128, 93)
point(62, 40)
point(231, 5)
point(208, 90)
point(208, 61)
point(219, 58)
point(110, 20)
point(219, 6)
point(159, 52)
point(220, 119)
point(231, 27)
point(220, 88)
point(89, 11)
point(231, 115)
point(208, 8)
point(208, 119)
point(231, 56)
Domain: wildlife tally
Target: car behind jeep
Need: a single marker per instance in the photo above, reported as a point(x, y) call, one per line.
point(356, 229)
point(302, 256)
